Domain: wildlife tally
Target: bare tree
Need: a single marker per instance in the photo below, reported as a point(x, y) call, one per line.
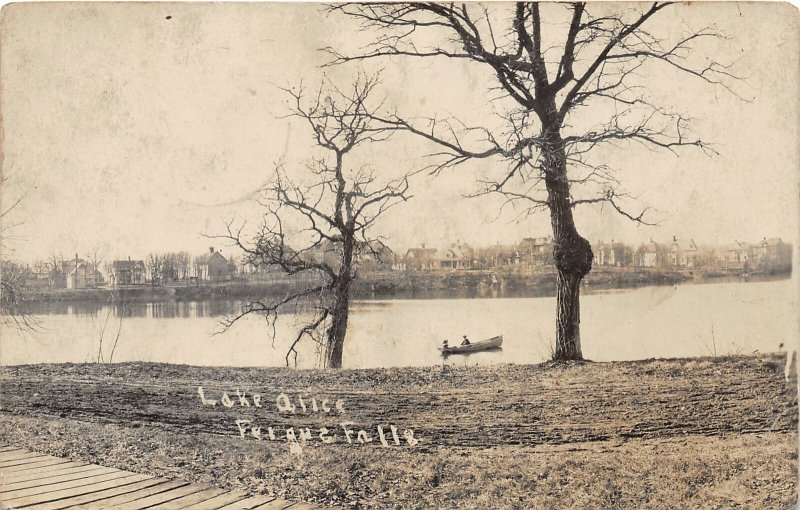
point(155, 265)
point(314, 232)
point(15, 296)
point(544, 76)
point(182, 261)
point(16, 299)
point(95, 259)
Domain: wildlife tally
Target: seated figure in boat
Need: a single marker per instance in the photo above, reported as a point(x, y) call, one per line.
point(444, 345)
point(466, 340)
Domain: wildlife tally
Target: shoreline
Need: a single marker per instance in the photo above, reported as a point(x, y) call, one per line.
point(402, 285)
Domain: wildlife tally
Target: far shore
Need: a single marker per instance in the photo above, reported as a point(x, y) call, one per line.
point(401, 285)
point(703, 433)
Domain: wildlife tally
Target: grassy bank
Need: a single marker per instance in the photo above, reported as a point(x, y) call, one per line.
point(707, 433)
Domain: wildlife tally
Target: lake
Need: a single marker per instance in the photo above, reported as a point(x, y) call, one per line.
point(647, 322)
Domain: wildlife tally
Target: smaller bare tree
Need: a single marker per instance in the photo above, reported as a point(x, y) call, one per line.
point(15, 296)
point(314, 232)
point(16, 299)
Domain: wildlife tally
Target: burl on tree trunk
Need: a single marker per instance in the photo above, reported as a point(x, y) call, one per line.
point(573, 258)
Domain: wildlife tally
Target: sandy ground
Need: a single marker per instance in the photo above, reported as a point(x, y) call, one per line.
point(701, 433)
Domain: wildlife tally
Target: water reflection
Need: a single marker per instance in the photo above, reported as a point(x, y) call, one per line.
point(152, 310)
point(666, 321)
point(221, 306)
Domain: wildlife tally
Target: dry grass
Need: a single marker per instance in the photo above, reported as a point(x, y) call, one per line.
point(696, 472)
point(694, 434)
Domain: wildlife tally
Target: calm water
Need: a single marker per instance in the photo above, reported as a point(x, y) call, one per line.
point(663, 321)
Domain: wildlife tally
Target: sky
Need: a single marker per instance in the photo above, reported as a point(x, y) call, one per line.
point(134, 128)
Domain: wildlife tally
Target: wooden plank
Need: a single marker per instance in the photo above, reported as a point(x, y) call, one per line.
point(21, 462)
point(43, 464)
point(12, 451)
point(160, 498)
point(249, 503)
point(47, 480)
point(221, 501)
point(55, 487)
point(275, 504)
point(130, 496)
point(16, 454)
point(99, 500)
point(304, 506)
point(12, 456)
point(44, 472)
point(75, 491)
point(191, 499)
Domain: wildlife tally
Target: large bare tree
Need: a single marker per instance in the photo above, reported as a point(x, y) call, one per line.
point(319, 220)
point(554, 66)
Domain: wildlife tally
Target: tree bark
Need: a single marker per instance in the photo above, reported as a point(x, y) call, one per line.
point(340, 309)
point(337, 331)
point(572, 253)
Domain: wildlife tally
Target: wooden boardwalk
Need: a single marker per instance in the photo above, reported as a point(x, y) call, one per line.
point(41, 482)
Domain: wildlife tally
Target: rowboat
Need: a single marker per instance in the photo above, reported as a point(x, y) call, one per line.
point(484, 345)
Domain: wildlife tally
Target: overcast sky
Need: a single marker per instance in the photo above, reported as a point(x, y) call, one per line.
point(130, 132)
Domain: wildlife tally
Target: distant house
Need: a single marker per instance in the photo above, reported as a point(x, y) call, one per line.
point(771, 254)
point(420, 259)
point(213, 266)
point(734, 256)
point(36, 277)
point(613, 254)
point(682, 254)
point(128, 272)
point(376, 257)
point(603, 255)
point(326, 252)
point(81, 275)
point(536, 251)
point(457, 256)
point(498, 255)
point(650, 255)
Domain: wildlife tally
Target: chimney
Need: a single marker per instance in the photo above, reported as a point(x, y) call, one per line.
point(211, 249)
point(674, 239)
point(129, 258)
point(423, 246)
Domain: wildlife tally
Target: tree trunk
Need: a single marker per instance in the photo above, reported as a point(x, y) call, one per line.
point(568, 317)
point(340, 310)
point(338, 328)
point(572, 253)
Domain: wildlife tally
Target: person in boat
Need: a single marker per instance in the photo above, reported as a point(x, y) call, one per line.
point(466, 341)
point(444, 345)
